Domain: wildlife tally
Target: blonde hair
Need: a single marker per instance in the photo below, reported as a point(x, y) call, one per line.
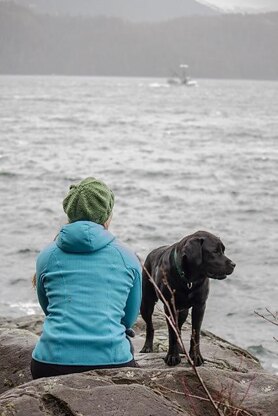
point(108, 221)
point(34, 280)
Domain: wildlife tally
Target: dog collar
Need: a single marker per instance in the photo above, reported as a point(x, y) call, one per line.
point(180, 271)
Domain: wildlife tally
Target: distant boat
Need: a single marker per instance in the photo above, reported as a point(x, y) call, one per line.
point(182, 78)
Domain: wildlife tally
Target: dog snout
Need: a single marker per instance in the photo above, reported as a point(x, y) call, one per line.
point(232, 264)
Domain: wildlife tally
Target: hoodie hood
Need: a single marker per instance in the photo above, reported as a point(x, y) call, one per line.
point(83, 237)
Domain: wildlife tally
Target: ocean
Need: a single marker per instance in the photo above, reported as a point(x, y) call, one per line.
point(178, 159)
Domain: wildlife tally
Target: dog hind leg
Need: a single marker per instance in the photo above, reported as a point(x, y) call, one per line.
point(149, 299)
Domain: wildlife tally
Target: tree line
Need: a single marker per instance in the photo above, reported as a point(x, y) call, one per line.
point(222, 46)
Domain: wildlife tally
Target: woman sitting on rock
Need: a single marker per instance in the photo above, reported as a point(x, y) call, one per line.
point(89, 287)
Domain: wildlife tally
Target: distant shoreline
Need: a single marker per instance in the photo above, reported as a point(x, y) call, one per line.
point(146, 77)
point(221, 46)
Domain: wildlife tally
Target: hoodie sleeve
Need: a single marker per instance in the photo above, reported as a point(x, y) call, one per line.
point(133, 301)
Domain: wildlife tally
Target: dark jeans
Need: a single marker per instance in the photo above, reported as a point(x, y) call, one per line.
point(39, 370)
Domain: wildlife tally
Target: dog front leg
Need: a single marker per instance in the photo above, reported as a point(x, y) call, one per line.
point(173, 357)
point(146, 312)
point(197, 319)
point(183, 313)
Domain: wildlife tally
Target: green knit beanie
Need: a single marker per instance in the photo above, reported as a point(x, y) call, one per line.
point(89, 200)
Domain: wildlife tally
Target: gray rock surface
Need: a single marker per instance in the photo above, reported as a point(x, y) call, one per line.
point(86, 394)
point(232, 375)
point(31, 323)
point(16, 346)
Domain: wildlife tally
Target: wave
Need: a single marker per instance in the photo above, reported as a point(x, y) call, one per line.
point(267, 358)
point(7, 174)
point(27, 251)
point(16, 281)
point(158, 85)
point(69, 120)
point(27, 308)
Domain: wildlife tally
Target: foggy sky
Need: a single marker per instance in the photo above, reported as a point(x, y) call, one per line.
point(255, 5)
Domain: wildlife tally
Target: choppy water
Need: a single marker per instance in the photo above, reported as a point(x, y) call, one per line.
point(178, 159)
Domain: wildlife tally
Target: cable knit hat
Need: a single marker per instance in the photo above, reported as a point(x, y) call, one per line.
point(89, 200)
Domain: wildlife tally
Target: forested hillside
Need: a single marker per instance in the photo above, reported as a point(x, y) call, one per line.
point(223, 46)
point(135, 10)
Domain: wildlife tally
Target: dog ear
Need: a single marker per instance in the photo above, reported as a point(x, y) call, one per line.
point(192, 251)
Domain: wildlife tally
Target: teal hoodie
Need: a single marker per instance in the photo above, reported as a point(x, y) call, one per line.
point(89, 287)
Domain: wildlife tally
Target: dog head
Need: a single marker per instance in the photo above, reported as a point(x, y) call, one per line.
point(203, 255)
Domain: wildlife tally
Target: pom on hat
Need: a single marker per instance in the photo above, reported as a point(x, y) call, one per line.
point(90, 200)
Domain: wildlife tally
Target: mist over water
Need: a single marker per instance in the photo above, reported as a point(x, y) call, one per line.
point(247, 5)
point(178, 159)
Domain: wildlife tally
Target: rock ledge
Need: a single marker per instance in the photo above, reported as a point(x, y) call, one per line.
point(232, 375)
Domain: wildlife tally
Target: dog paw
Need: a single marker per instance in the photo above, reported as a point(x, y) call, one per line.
point(196, 358)
point(172, 360)
point(147, 349)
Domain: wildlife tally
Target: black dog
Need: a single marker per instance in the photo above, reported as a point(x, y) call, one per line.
point(185, 267)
